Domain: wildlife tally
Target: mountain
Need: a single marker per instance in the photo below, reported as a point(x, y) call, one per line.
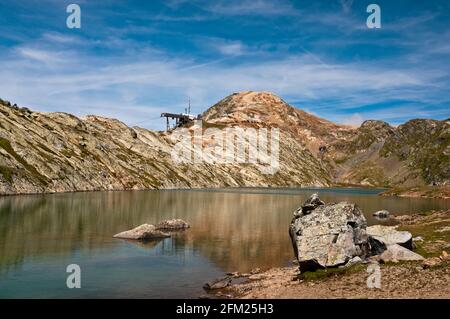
point(374, 154)
point(58, 152)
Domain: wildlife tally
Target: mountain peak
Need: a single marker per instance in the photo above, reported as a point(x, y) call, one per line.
point(247, 106)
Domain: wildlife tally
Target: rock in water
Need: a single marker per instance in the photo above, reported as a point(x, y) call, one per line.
point(389, 235)
point(395, 253)
point(172, 224)
point(143, 232)
point(310, 204)
point(328, 235)
point(381, 214)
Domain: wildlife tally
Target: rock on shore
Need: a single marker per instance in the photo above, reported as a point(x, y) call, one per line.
point(328, 235)
point(331, 235)
point(395, 253)
point(388, 235)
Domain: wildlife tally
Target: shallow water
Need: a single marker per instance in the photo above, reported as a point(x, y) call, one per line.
point(232, 230)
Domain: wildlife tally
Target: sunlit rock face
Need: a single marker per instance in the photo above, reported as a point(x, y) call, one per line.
point(58, 152)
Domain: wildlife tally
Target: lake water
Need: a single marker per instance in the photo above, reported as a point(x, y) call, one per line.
point(231, 230)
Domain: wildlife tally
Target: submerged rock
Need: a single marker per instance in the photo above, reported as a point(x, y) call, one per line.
point(381, 214)
point(389, 235)
point(395, 253)
point(142, 232)
point(172, 224)
point(327, 235)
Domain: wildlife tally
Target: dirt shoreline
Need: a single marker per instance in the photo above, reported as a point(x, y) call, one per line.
point(398, 280)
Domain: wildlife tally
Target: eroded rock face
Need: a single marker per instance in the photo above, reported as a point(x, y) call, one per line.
point(328, 235)
point(142, 232)
point(389, 235)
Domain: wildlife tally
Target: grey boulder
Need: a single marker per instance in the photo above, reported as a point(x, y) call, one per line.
point(389, 235)
point(328, 235)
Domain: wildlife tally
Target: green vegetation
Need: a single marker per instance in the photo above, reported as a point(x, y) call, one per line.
point(371, 173)
point(328, 272)
point(206, 125)
point(419, 191)
point(433, 238)
point(6, 145)
point(423, 143)
point(7, 173)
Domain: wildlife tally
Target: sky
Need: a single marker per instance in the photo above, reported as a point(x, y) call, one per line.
point(132, 60)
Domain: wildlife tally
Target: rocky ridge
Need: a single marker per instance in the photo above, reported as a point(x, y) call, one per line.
point(58, 152)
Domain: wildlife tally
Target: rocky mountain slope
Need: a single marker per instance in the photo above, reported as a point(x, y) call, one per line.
point(374, 154)
point(57, 152)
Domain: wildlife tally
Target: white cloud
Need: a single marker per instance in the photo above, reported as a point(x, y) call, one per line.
point(353, 120)
point(136, 85)
point(239, 7)
point(38, 55)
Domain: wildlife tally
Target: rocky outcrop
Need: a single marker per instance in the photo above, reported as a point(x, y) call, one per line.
point(58, 152)
point(389, 235)
point(328, 235)
point(142, 232)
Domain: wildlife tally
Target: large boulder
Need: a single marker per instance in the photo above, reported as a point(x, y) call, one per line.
point(143, 232)
point(389, 235)
point(328, 235)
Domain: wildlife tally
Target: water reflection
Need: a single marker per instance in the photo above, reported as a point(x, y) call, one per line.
point(237, 230)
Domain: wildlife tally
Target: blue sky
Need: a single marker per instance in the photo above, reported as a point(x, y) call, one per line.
point(133, 60)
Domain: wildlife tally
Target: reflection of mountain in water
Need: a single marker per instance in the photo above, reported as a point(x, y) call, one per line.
point(236, 231)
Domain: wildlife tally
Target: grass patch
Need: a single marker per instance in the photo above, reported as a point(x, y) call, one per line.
point(7, 173)
point(6, 145)
point(434, 240)
point(320, 274)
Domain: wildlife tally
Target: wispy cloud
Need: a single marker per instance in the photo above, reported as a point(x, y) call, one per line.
point(138, 62)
